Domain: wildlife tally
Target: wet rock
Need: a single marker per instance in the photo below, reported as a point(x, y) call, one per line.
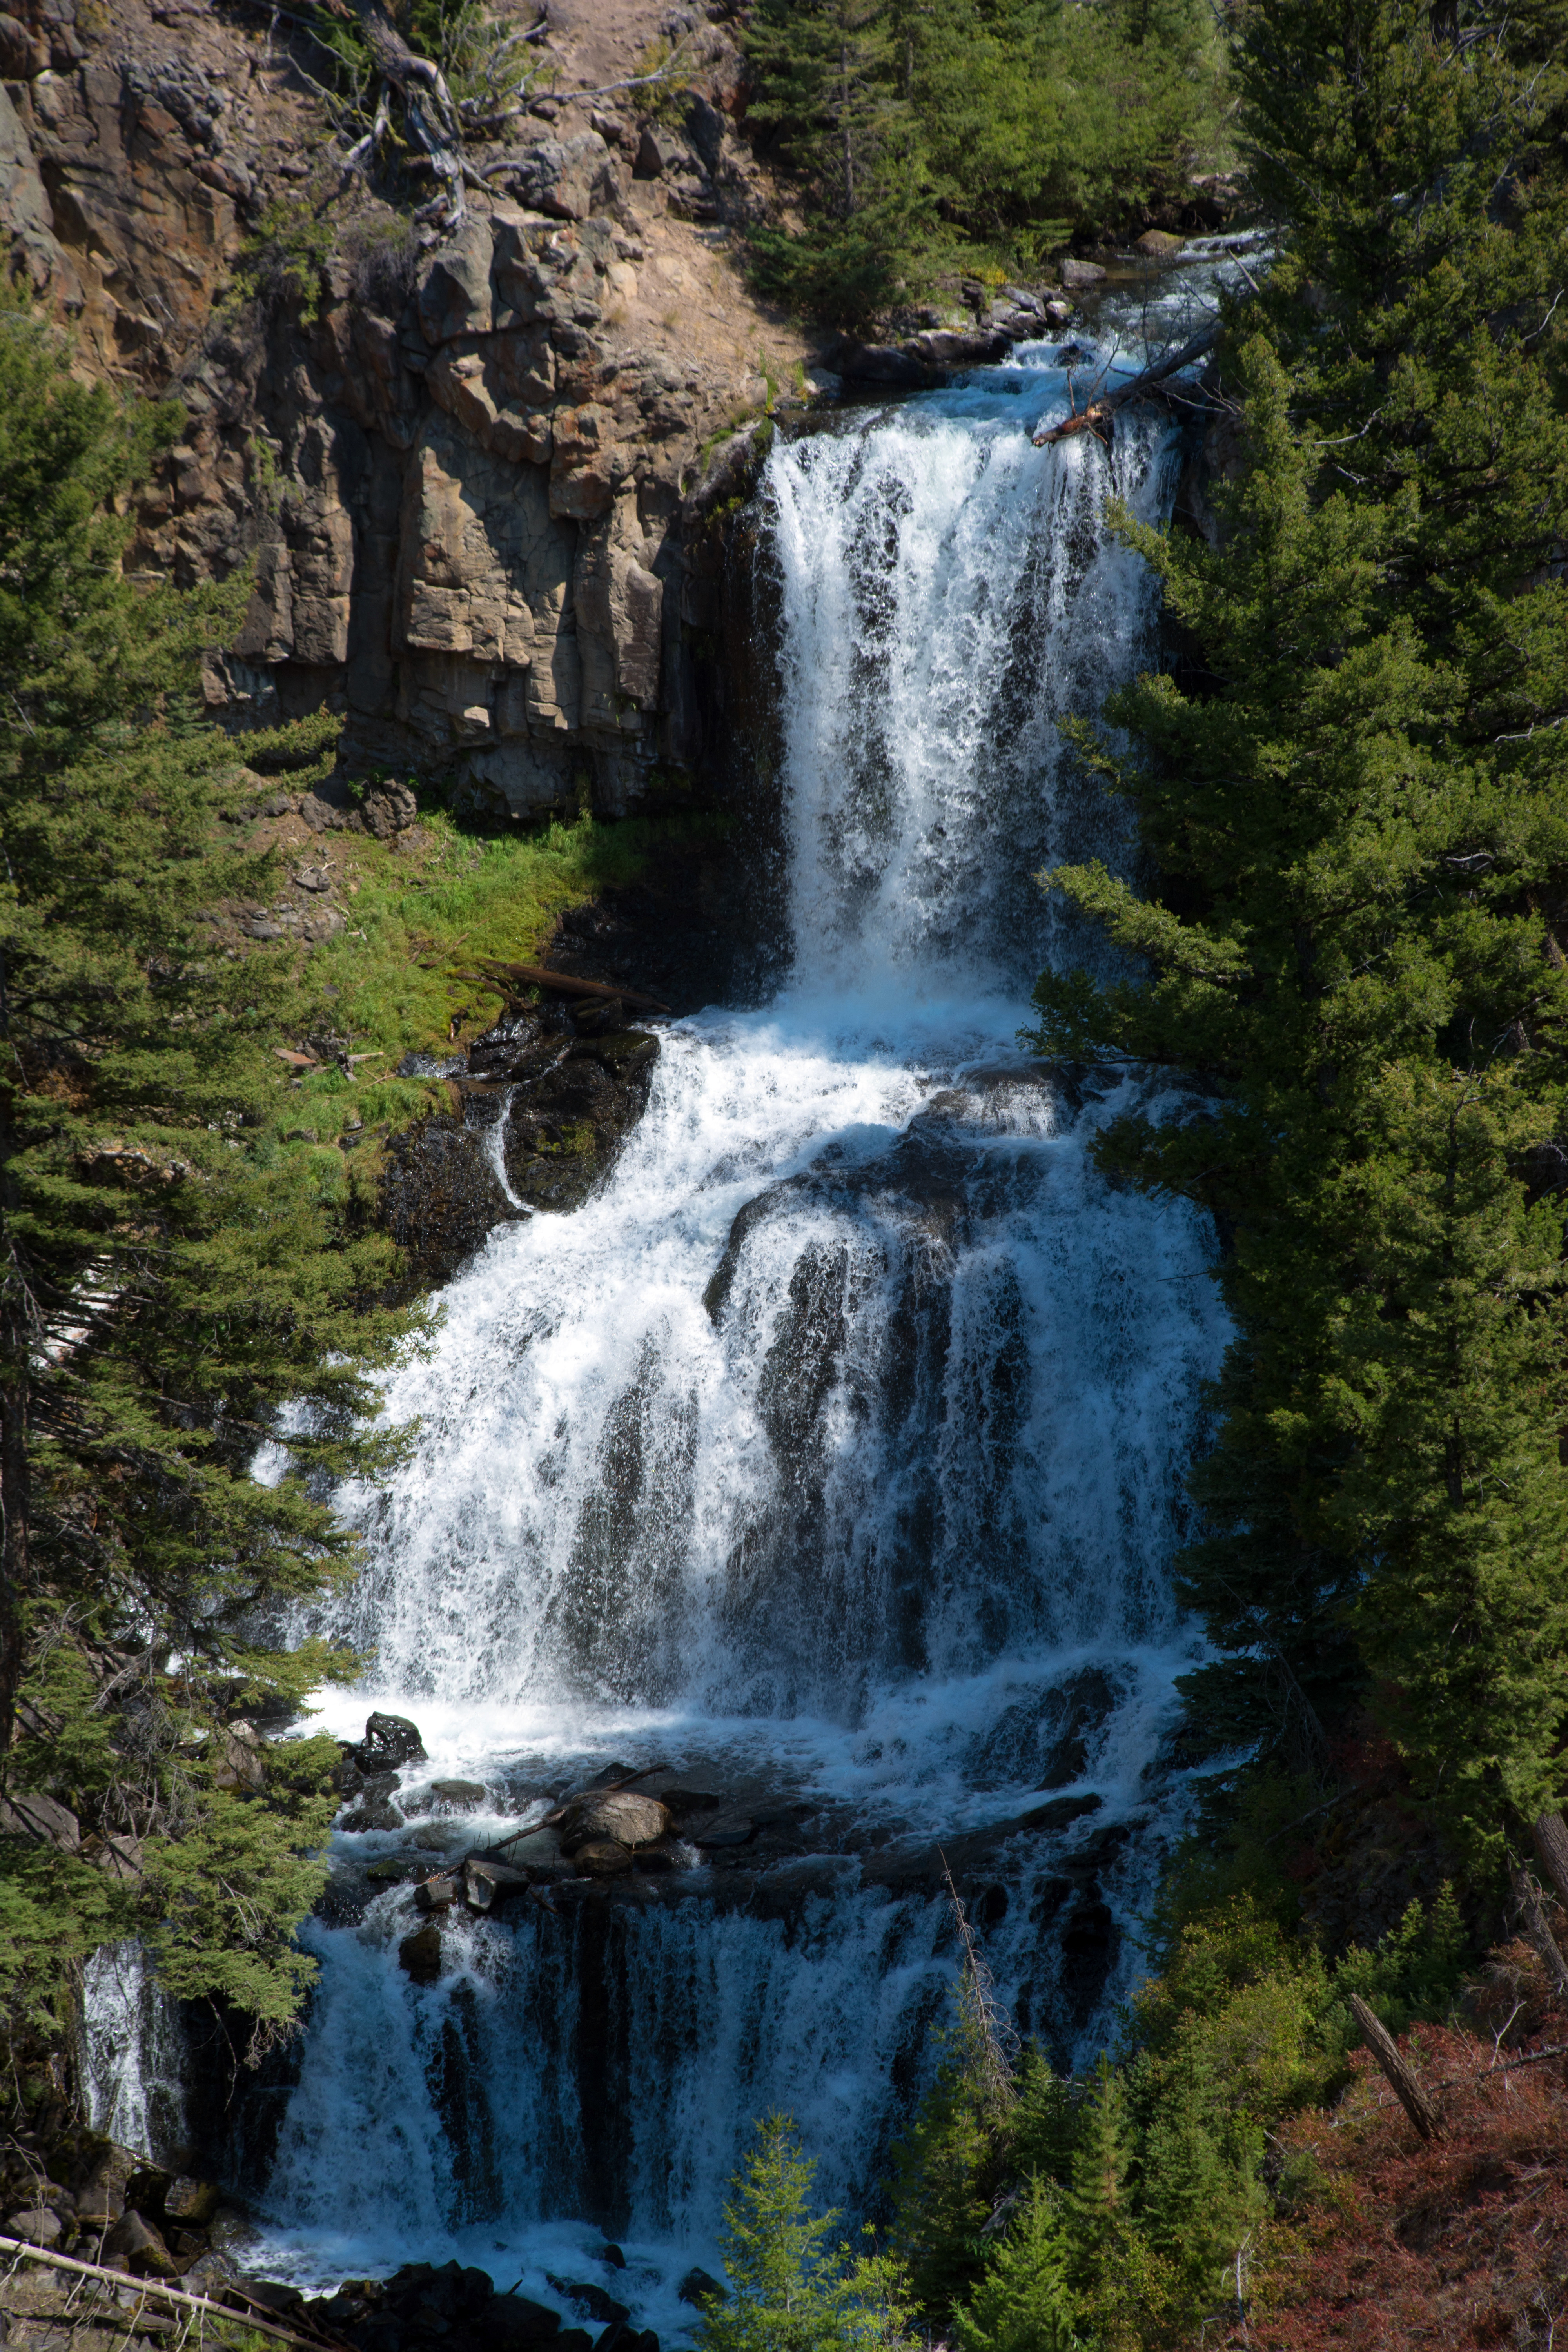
point(512, 2319)
point(567, 1122)
point(379, 1813)
point(441, 1197)
point(100, 2187)
point(946, 347)
point(419, 1955)
point(458, 1792)
point(389, 1740)
point(1159, 244)
point(602, 1858)
point(882, 363)
point(620, 1815)
point(435, 1837)
point(588, 2301)
point(665, 1854)
point(723, 1830)
point(699, 2288)
point(485, 1883)
point(437, 1894)
point(1077, 276)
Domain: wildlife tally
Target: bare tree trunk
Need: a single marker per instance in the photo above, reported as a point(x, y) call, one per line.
point(1533, 1920)
point(14, 1517)
point(426, 100)
point(1099, 411)
point(1402, 2080)
point(1552, 1844)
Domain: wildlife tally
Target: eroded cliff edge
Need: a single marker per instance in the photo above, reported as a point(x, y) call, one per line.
point(471, 472)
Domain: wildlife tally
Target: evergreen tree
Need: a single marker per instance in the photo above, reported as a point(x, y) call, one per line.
point(1357, 836)
point(1023, 2301)
point(788, 2291)
point(170, 1279)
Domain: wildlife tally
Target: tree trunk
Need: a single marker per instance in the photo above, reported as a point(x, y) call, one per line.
point(1533, 1920)
point(1138, 388)
point(1402, 2080)
point(844, 125)
point(1551, 1845)
point(13, 1514)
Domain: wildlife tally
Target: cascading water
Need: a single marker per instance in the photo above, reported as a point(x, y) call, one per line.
point(831, 1455)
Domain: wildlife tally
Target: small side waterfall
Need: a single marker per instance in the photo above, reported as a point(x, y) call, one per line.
point(832, 1453)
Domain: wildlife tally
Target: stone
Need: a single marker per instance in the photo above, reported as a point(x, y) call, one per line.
point(28, 1814)
point(100, 2192)
point(1159, 244)
point(602, 1858)
point(36, 2224)
point(454, 296)
point(885, 363)
point(458, 1792)
point(945, 347)
point(665, 1854)
point(618, 1814)
point(723, 1830)
point(389, 1740)
point(238, 1760)
point(486, 1883)
point(437, 1892)
point(419, 1955)
point(435, 1837)
point(191, 2201)
point(699, 2288)
point(512, 2319)
point(659, 150)
point(1077, 276)
point(137, 2245)
point(589, 2301)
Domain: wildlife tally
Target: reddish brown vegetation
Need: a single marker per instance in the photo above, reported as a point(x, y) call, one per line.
point(1461, 2242)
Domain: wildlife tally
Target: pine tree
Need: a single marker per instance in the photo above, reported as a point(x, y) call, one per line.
point(1358, 838)
point(788, 2291)
point(170, 1279)
point(1023, 2301)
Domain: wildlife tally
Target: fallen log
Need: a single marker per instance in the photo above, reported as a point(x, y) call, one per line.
point(1139, 387)
point(565, 984)
point(1533, 1919)
point(1402, 2078)
point(482, 1852)
point(154, 2291)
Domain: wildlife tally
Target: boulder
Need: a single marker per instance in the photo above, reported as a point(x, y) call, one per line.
point(27, 1813)
point(136, 2245)
point(884, 363)
point(618, 1814)
point(665, 1854)
point(485, 1883)
point(723, 1830)
point(38, 2225)
point(458, 1792)
point(602, 1858)
point(511, 2319)
point(191, 2201)
point(945, 347)
point(237, 1758)
point(1077, 275)
point(437, 1894)
point(659, 150)
point(699, 2288)
point(1158, 244)
point(589, 2301)
point(100, 2189)
point(389, 1740)
point(419, 1955)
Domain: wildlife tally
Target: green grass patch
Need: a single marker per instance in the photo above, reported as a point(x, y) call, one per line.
point(418, 916)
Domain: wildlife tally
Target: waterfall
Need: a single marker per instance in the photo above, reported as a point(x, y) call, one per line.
point(833, 1452)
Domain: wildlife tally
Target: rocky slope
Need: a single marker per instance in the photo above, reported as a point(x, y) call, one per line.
point(468, 473)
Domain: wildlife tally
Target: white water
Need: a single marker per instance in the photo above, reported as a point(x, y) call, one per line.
point(844, 1428)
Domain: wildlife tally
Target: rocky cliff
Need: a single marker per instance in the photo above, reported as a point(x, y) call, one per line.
point(469, 469)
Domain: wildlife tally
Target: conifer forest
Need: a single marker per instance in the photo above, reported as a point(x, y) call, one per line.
point(784, 1175)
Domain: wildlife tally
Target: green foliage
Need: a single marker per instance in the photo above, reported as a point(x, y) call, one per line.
point(1112, 2210)
point(1358, 838)
point(168, 1285)
point(285, 255)
point(788, 2291)
point(927, 133)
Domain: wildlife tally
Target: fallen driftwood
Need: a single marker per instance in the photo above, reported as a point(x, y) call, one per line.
point(1140, 387)
point(154, 2291)
point(565, 984)
point(1402, 2080)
